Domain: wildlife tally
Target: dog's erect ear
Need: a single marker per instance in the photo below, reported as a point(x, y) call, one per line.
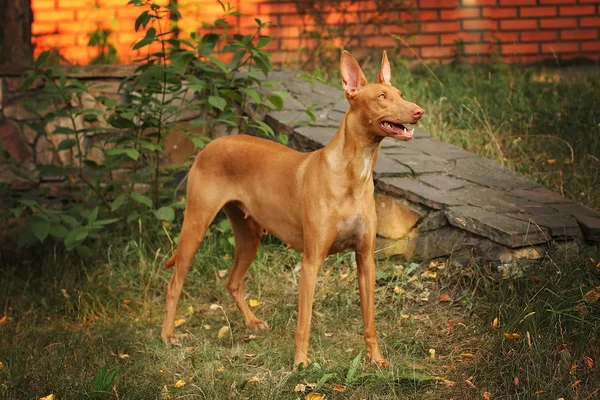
point(385, 72)
point(353, 78)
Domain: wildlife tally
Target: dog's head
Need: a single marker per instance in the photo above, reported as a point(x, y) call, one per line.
point(379, 106)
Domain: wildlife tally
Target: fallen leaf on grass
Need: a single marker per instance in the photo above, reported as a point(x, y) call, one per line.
point(516, 381)
point(163, 373)
point(593, 295)
point(589, 362)
point(49, 397)
point(206, 327)
point(444, 298)
point(222, 272)
point(179, 322)
point(254, 303)
point(470, 383)
point(339, 388)
point(576, 383)
point(512, 336)
point(429, 275)
point(227, 257)
point(527, 316)
point(399, 290)
point(466, 356)
point(405, 316)
point(249, 338)
point(328, 334)
point(249, 356)
point(300, 388)
point(486, 395)
point(65, 293)
point(314, 396)
point(190, 310)
point(496, 323)
point(1, 366)
point(123, 355)
point(434, 264)
point(179, 384)
point(254, 379)
point(214, 307)
point(223, 332)
point(221, 369)
point(449, 324)
point(3, 320)
point(432, 354)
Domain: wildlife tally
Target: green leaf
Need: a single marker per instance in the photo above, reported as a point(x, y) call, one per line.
point(142, 20)
point(93, 216)
point(40, 226)
point(276, 100)
point(284, 140)
point(253, 94)
point(165, 214)
point(117, 203)
point(58, 231)
point(219, 63)
point(41, 60)
point(140, 198)
point(351, 374)
point(217, 102)
point(63, 130)
point(263, 41)
point(69, 220)
point(102, 222)
point(149, 38)
point(66, 144)
point(75, 237)
point(131, 153)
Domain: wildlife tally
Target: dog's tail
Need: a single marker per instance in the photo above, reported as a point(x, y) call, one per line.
point(171, 262)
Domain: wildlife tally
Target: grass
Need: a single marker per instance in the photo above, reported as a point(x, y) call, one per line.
point(541, 122)
point(67, 319)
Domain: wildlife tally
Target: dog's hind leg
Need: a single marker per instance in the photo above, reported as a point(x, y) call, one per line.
point(203, 205)
point(247, 234)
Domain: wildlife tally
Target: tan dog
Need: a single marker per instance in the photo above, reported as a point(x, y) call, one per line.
point(319, 203)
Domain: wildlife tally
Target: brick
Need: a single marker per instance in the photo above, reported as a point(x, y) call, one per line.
point(577, 10)
point(53, 16)
point(129, 12)
point(589, 22)
point(590, 1)
point(578, 34)
point(43, 28)
point(467, 37)
point(68, 4)
point(558, 23)
point(436, 52)
point(460, 13)
point(277, 8)
point(423, 40)
point(479, 24)
point(479, 3)
point(437, 3)
point(428, 15)
point(477, 49)
point(558, 1)
point(520, 48)
point(590, 46)
point(499, 12)
point(43, 4)
point(537, 11)
point(539, 36)
point(95, 14)
point(560, 47)
point(518, 2)
point(77, 26)
point(435, 27)
point(503, 37)
point(518, 24)
point(379, 41)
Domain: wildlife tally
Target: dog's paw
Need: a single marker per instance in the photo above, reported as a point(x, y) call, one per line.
point(301, 364)
point(170, 340)
point(258, 325)
point(382, 363)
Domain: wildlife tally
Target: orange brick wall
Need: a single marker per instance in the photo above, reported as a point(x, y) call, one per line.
point(518, 30)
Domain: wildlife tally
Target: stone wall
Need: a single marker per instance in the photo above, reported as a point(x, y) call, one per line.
point(32, 141)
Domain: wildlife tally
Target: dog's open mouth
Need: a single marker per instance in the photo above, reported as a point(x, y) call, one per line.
point(397, 130)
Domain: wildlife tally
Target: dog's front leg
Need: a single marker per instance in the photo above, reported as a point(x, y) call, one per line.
point(365, 260)
point(311, 265)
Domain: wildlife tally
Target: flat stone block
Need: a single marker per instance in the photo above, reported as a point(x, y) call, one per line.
point(418, 192)
point(389, 167)
point(443, 182)
point(486, 172)
point(439, 149)
point(497, 227)
point(590, 227)
point(421, 164)
point(541, 195)
point(492, 199)
point(316, 137)
point(559, 225)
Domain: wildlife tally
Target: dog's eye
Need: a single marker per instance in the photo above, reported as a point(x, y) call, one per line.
point(382, 96)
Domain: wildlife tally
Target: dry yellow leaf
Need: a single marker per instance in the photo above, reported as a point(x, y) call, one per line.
point(432, 275)
point(496, 323)
point(328, 334)
point(399, 290)
point(223, 332)
point(249, 356)
point(214, 307)
point(434, 264)
point(516, 380)
point(221, 369)
point(486, 396)
point(470, 383)
point(444, 298)
point(254, 303)
point(254, 379)
point(206, 326)
point(222, 272)
point(3, 320)
point(512, 336)
point(163, 373)
point(1, 366)
point(314, 396)
point(249, 338)
point(179, 322)
point(65, 293)
point(466, 356)
point(123, 355)
point(432, 354)
point(190, 310)
point(179, 384)
point(165, 223)
point(593, 295)
point(49, 397)
point(227, 257)
point(299, 388)
point(405, 316)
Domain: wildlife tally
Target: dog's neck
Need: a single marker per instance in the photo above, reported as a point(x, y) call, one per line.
point(353, 152)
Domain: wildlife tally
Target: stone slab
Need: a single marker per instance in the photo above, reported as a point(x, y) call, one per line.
point(541, 195)
point(443, 182)
point(439, 149)
point(314, 137)
point(418, 192)
point(284, 121)
point(497, 227)
point(590, 227)
point(486, 172)
point(421, 164)
point(387, 166)
point(493, 199)
point(560, 226)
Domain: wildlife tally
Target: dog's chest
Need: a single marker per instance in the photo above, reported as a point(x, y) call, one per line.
point(350, 229)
